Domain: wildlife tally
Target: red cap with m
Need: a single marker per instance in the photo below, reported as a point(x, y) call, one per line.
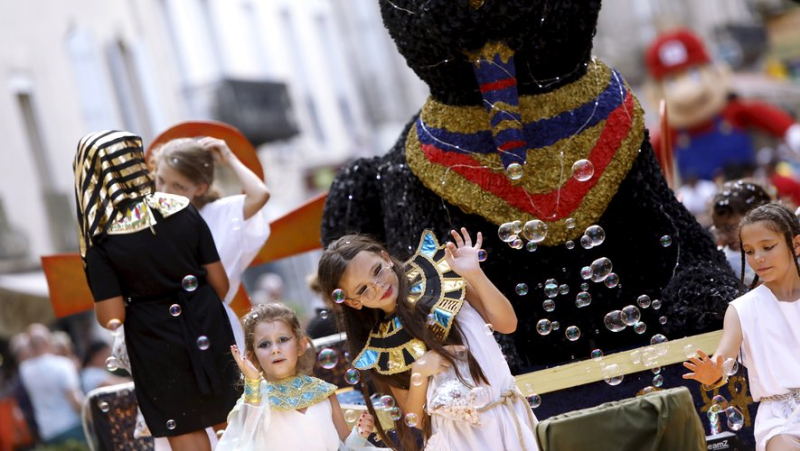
point(673, 52)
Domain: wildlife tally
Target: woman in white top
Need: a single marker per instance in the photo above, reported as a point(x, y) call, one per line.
point(238, 223)
point(763, 328)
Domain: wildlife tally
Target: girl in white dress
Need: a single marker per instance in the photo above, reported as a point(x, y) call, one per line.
point(434, 353)
point(283, 409)
point(762, 327)
point(185, 166)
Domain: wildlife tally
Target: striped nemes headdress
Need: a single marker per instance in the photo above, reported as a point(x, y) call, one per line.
point(109, 170)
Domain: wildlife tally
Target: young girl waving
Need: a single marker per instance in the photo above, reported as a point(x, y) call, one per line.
point(282, 408)
point(409, 325)
point(763, 328)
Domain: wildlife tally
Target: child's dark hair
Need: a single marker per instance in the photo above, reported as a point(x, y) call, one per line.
point(736, 198)
point(358, 323)
point(780, 220)
point(272, 312)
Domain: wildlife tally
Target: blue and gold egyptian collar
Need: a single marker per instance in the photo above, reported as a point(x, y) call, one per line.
point(390, 349)
point(297, 392)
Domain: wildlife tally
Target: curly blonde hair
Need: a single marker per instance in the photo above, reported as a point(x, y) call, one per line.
point(270, 313)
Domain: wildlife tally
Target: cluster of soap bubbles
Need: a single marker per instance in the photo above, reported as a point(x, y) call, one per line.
point(535, 231)
point(733, 415)
point(593, 236)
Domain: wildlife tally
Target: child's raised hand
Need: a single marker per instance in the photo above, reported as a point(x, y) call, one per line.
point(219, 149)
point(366, 425)
point(462, 256)
point(704, 369)
point(245, 366)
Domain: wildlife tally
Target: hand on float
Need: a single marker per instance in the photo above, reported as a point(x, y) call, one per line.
point(703, 368)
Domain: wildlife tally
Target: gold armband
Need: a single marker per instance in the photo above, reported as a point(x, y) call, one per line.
point(719, 383)
point(252, 391)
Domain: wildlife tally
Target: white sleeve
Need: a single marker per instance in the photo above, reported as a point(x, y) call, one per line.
point(248, 425)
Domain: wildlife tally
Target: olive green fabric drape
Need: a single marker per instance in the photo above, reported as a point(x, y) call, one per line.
point(664, 420)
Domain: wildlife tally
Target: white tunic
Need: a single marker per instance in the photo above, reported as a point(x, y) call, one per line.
point(260, 428)
point(238, 242)
point(458, 428)
point(771, 353)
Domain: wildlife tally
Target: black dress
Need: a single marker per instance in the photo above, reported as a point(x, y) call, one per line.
point(177, 334)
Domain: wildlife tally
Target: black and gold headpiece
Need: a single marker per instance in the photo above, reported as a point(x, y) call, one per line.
point(109, 171)
point(390, 349)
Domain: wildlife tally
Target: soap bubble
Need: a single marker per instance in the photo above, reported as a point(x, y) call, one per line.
point(324, 314)
point(482, 255)
point(615, 320)
point(583, 299)
point(640, 327)
point(720, 401)
point(570, 245)
point(338, 295)
point(350, 416)
point(715, 409)
point(601, 268)
point(516, 227)
point(658, 339)
point(563, 289)
point(643, 301)
point(584, 286)
point(411, 420)
point(656, 304)
point(632, 315)
point(521, 289)
point(656, 370)
point(556, 325)
point(327, 358)
point(730, 366)
point(544, 326)
point(386, 402)
point(572, 333)
point(636, 357)
point(662, 320)
point(514, 171)
point(516, 243)
point(112, 364)
point(597, 354)
point(171, 424)
point(530, 246)
point(113, 325)
point(352, 376)
point(735, 418)
point(586, 273)
point(506, 232)
point(596, 233)
point(189, 283)
point(103, 406)
point(582, 170)
point(569, 223)
point(551, 290)
point(203, 343)
point(548, 305)
point(395, 413)
point(612, 374)
point(535, 231)
point(658, 380)
point(650, 356)
point(534, 401)
point(175, 310)
point(586, 242)
point(689, 351)
point(612, 280)
point(665, 241)
point(417, 379)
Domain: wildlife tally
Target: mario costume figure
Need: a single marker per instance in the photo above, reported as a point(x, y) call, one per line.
point(709, 126)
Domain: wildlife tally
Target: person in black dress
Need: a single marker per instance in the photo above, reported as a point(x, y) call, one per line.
point(151, 264)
